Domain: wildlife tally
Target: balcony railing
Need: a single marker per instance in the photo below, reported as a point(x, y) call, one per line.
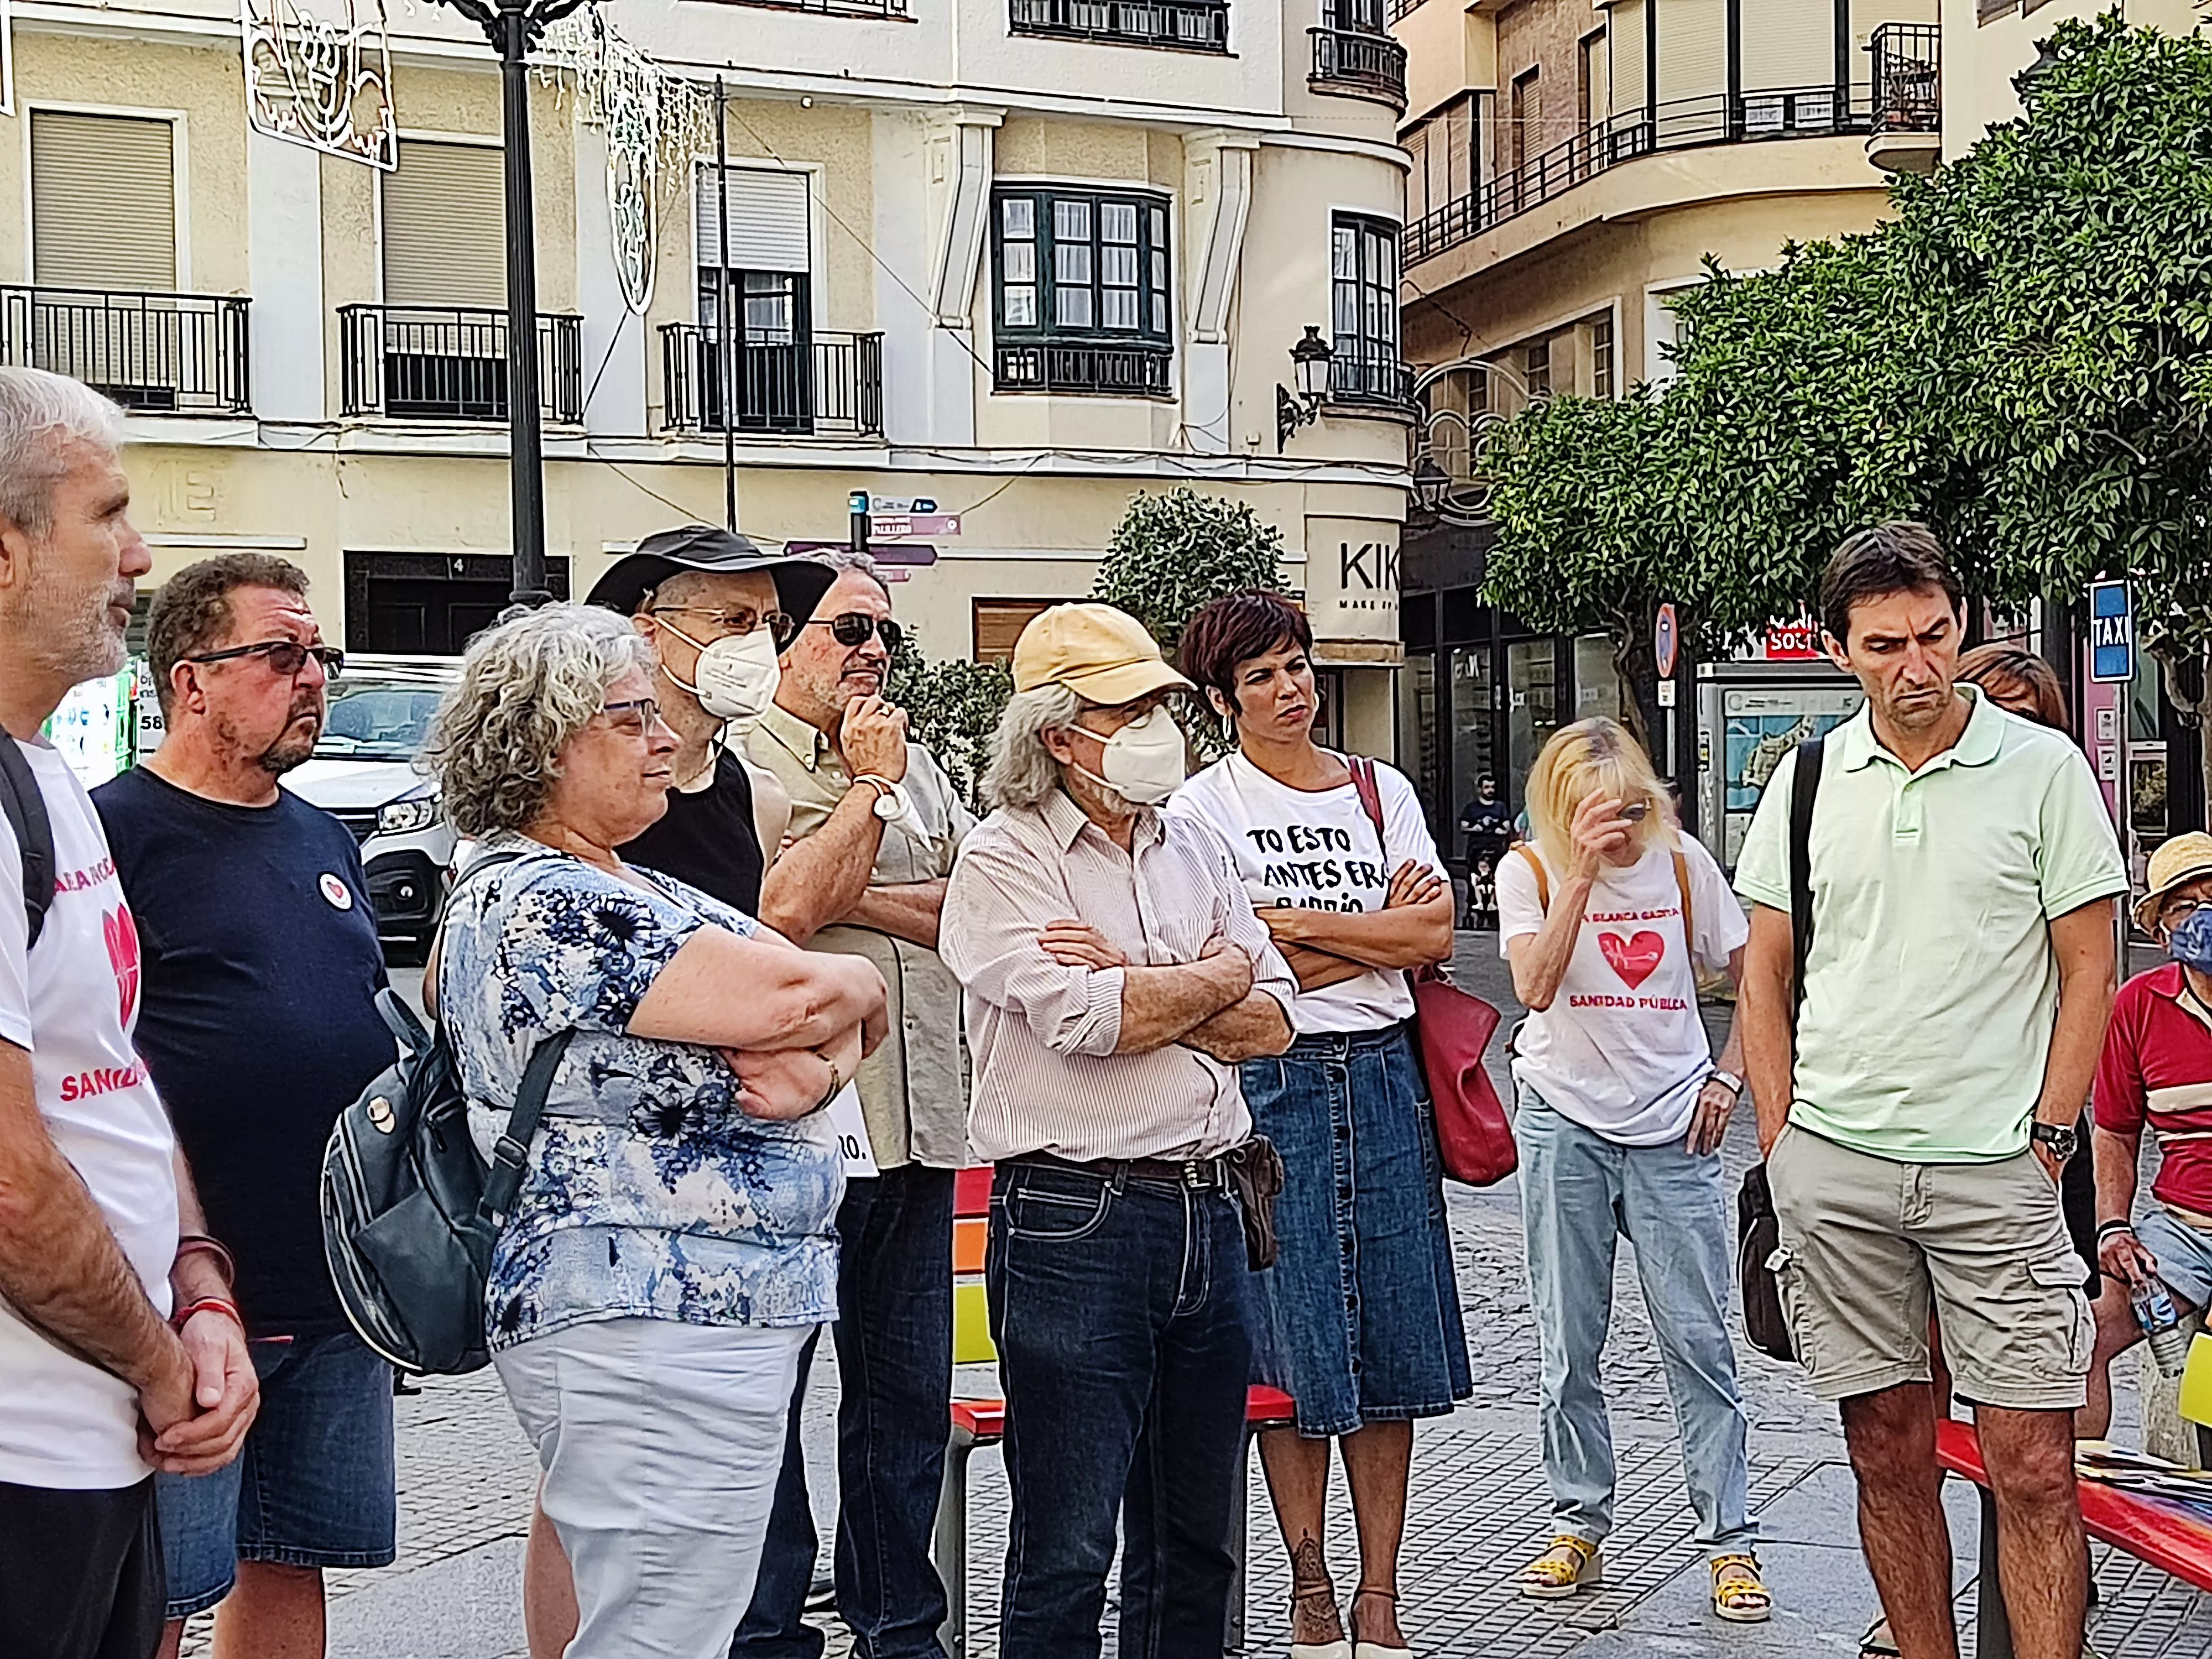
point(1361, 62)
point(160, 354)
point(1354, 378)
point(1194, 25)
point(1114, 371)
point(1908, 77)
point(1401, 9)
point(449, 363)
point(830, 386)
point(1684, 124)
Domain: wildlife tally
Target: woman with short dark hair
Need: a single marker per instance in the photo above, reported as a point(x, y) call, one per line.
point(1360, 1313)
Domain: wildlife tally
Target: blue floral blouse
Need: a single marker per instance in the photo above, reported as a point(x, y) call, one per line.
point(649, 1193)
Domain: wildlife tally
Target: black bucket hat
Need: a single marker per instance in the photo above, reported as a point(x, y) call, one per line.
point(800, 582)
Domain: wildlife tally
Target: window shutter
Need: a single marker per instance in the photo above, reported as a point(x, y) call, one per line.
point(1788, 44)
point(1626, 64)
point(445, 227)
point(768, 220)
point(998, 623)
point(1693, 71)
point(103, 201)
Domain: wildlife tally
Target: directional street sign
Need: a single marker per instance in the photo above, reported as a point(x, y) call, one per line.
point(912, 526)
point(2111, 633)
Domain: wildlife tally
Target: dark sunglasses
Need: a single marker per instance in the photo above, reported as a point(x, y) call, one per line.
point(853, 628)
point(286, 657)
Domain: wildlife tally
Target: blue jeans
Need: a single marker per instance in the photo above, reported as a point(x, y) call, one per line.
point(894, 1337)
point(1121, 1310)
point(1579, 1193)
point(314, 1486)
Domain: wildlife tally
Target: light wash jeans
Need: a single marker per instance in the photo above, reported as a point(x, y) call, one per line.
point(660, 1443)
point(1579, 1191)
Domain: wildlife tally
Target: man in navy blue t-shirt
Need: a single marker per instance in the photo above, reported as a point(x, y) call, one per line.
point(261, 970)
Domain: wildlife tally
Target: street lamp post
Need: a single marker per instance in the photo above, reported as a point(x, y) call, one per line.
point(514, 26)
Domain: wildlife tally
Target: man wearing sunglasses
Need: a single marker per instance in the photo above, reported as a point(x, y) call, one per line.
point(874, 826)
point(257, 1019)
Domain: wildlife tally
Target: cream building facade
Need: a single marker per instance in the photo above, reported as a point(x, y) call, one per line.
point(1988, 42)
point(1572, 164)
point(1016, 259)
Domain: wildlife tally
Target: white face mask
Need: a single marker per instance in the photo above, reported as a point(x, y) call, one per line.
point(737, 678)
point(1144, 761)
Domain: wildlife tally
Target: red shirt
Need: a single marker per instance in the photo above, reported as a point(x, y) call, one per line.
point(2157, 1068)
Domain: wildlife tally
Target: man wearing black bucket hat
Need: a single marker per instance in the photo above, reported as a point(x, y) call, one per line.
point(719, 610)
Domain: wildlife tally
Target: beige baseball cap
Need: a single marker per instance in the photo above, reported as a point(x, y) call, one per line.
point(2184, 858)
point(1101, 654)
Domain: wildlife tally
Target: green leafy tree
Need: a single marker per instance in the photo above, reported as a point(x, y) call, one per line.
point(953, 707)
point(1173, 552)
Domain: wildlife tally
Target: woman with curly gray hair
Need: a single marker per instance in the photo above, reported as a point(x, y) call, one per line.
point(671, 1248)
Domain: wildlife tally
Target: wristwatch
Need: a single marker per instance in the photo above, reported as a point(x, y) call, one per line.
point(2063, 1139)
point(1734, 1083)
point(890, 798)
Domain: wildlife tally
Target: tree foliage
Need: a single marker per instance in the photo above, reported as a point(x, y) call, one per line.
point(952, 707)
point(2021, 355)
point(1173, 552)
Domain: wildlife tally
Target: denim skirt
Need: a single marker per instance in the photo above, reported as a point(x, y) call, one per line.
point(1359, 1317)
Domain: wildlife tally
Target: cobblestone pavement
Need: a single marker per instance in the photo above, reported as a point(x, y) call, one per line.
point(1479, 1505)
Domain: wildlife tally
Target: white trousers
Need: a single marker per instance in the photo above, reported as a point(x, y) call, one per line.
point(661, 1444)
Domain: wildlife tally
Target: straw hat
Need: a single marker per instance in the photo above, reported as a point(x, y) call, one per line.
point(2178, 861)
point(1101, 654)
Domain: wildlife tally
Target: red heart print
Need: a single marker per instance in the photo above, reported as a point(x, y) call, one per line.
point(122, 935)
point(1634, 959)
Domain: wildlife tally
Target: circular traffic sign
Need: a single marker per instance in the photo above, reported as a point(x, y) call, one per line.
point(1666, 642)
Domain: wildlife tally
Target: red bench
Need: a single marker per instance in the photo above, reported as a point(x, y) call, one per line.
point(2163, 1534)
point(981, 1422)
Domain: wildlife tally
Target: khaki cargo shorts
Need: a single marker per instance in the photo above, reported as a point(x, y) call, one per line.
point(1869, 1245)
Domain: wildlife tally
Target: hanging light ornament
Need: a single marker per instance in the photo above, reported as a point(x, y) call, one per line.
point(644, 111)
point(315, 80)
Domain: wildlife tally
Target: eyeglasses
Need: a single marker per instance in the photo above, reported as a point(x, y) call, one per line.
point(854, 626)
point(634, 717)
point(735, 624)
point(286, 657)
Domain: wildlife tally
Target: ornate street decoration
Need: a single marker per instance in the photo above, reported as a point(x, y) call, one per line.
point(321, 81)
point(644, 112)
point(1459, 417)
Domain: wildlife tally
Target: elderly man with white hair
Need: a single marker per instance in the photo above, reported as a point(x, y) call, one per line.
point(121, 1351)
point(1115, 976)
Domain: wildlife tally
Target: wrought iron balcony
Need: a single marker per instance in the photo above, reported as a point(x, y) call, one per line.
point(449, 363)
point(1194, 25)
point(1373, 379)
point(830, 386)
point(1112, 371)
point(1363, 63)
point(1908, 97)
point(1683, 124)
point(159, 354)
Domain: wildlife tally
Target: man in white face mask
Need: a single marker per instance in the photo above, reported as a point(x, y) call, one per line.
point(1114, 975)
point(718, 610)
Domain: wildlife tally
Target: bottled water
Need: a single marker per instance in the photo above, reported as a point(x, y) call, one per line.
point(2161, 1325)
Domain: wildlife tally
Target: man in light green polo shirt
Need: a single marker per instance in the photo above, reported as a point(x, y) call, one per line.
point(874, 826)
point(1956, 992)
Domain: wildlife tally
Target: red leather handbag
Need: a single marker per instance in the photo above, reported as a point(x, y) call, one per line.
point(1451, 1030)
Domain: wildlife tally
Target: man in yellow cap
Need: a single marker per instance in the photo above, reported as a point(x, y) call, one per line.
point(1114, 975)
point(2156, 1069)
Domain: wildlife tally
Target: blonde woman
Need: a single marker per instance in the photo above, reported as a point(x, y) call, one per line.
point(1605, 916)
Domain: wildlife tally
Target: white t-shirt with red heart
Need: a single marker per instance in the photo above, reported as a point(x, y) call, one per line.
point(72, 1002)
point(1621, 1050)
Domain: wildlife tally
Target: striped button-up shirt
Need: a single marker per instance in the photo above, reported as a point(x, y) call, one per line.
point(1043, 1035)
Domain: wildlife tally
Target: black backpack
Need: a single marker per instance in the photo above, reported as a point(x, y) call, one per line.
point(410, 1211)
point(25, 809)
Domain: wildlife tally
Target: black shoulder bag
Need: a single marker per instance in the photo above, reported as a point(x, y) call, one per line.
point(1757, 1233)
point(25, 809)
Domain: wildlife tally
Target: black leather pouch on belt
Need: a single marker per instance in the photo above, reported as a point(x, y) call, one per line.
point(1255, 1175)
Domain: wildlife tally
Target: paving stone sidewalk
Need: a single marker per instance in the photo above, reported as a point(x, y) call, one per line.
point(1479, 1506)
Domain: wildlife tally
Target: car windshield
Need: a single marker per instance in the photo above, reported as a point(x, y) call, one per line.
point(378, 720)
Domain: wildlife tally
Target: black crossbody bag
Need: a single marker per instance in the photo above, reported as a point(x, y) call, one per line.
point(1757, 1232)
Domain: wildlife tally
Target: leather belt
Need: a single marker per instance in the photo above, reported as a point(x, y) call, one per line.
point(1203, 1175)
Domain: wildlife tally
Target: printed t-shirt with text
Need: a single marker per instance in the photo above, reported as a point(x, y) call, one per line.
point(73, 1003)
point(1621, 1050)
point(1316, 849)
